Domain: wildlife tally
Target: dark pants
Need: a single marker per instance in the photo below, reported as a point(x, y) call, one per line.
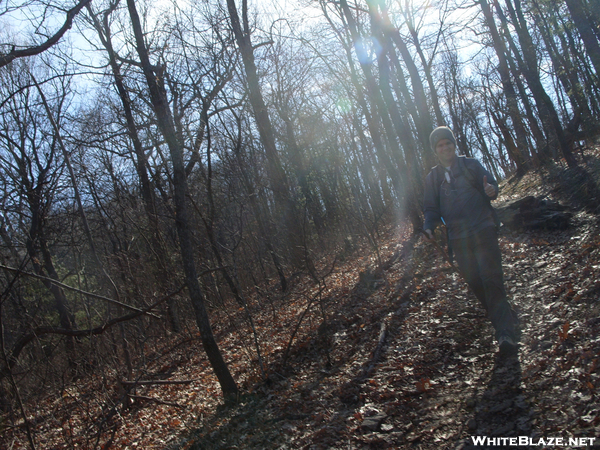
point(480, 262)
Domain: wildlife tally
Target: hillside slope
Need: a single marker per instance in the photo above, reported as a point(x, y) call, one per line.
point(438, 379)
point(389, 353)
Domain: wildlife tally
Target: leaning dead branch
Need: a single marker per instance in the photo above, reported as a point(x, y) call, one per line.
point(39, 331)
point(383, 331)
point(89, 294)
point(152, 382)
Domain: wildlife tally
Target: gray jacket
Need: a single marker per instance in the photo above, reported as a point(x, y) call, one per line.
point(461, 203)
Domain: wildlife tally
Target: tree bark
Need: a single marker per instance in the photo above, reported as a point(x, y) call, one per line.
point(509, 90)
point(530, 68)
point(577, 10)
point(277, 176)
point(164, 117)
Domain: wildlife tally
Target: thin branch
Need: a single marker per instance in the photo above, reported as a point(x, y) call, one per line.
point(153, 382)
point(383, 332)
point(23, 341)
point(66, 286)
point(17, 393)
point(36, 50)
point(155, 400)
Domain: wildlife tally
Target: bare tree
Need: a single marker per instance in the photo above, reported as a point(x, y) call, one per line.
point(278, 178)
point(577, 9)
point(519, 155)
point(154, 76)
point(32, 160)
point(529, 66)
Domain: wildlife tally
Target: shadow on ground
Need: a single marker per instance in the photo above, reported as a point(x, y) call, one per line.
point(502, 411)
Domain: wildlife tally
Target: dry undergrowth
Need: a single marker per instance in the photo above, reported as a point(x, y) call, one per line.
point(403, 359)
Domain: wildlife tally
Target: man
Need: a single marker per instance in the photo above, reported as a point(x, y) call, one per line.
point(458, 192)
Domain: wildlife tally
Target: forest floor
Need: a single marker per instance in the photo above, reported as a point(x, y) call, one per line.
point(406, 358)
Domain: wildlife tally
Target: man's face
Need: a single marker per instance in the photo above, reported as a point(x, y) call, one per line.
point(446, 151)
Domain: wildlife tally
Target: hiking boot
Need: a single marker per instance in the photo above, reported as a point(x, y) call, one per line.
point(506, 343)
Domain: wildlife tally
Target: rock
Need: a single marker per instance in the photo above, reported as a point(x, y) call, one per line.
point(533, 213)
point(386, 428)
point(373, 423)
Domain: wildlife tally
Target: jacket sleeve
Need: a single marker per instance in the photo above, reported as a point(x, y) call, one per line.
point(431, 204)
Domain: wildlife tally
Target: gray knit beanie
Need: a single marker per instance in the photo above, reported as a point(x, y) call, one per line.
point(441, 133)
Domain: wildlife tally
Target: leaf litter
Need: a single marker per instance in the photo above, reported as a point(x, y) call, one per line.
point(404, 359)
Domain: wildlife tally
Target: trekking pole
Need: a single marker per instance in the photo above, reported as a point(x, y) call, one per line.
point(441, 252)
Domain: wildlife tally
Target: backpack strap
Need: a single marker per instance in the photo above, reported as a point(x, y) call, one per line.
point(438, 179)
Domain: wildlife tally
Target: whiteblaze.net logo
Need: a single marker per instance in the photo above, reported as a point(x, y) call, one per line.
point(533, 442)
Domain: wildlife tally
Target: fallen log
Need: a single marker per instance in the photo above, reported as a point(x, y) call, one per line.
point(383, 332)
point(151, 382)
point(155, 400)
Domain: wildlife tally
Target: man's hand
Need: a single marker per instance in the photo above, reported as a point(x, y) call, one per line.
point(489, 189)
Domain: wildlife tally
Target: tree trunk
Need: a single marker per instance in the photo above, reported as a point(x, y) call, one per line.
point(301, 171)
point(581, 21)
point(515, 62)
point(277, 177)
point(423, 123)
point(428, 75)
point(164, 117)
point(509, 90)
point(140, 159)
point(45, 267)
point(564, 68)
point(386, 164)
point(407, 187)
point(365, 161)
point(530, 68)
point(262, 220)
